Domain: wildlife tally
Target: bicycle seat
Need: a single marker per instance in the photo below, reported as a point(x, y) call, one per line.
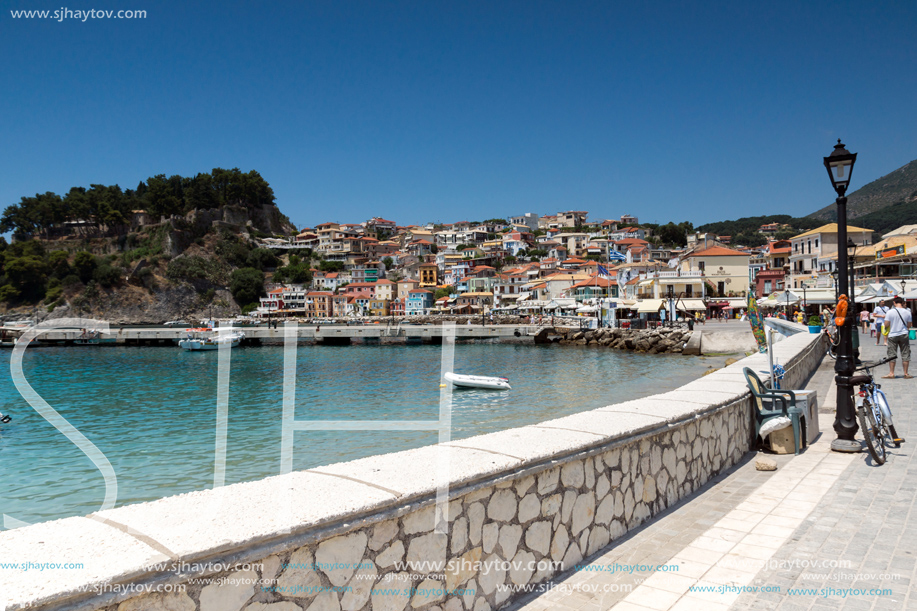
point(860, 379)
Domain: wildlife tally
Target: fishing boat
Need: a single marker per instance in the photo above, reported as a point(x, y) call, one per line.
point(467, 381)
point(207, 339)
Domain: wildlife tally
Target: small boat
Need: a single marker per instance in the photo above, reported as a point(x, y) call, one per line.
point(88, 338)
point(466, 381)
point(207, 339)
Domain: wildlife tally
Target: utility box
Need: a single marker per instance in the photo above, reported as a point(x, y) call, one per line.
point(808, 401)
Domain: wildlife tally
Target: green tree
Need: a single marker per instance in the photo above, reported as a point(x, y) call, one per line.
point(262, 258)
point(388, 262)
point(27, 274)
point(331, 266)
point(84, 264)
point(58, 264)
point(247, 285)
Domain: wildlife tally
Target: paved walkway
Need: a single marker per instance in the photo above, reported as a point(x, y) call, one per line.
point(825, 531)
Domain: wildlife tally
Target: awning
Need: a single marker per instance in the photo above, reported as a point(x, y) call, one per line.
point(586, 309)
point(564, 303)
point(690, 305)
point(737, 303)
point(649, 305)
point(818, 296)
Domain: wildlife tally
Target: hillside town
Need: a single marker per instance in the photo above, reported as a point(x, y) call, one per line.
point(567, 264)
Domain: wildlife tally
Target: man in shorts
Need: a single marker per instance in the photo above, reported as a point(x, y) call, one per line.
point(898, 320)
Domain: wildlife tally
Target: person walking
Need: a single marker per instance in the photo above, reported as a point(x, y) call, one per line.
point(898, 320)
point(879, 317)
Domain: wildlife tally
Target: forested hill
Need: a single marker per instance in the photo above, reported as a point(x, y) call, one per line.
point(894, 190)
point(172, 248)
point(744, 231)
point(109, 209)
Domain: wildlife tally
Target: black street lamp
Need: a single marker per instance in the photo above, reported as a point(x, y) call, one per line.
point(840, 167)
point(851, 257)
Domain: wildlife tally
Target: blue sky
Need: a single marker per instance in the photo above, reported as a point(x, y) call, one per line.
point(439, 111)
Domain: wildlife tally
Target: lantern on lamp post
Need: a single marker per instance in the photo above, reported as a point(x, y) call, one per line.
point(839, 165)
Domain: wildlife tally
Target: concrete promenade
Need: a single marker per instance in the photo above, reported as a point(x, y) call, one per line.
point(824, 531)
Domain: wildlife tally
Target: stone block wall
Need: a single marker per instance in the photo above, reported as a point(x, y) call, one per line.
point(515, 532)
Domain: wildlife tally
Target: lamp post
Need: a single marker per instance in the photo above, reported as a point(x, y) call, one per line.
point(851, 257)
point(840, 167)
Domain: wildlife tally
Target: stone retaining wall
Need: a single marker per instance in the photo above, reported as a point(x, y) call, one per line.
point(525, 505)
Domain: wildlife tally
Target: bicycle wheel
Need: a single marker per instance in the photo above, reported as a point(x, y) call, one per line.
point(887, 423)
point(874, 438)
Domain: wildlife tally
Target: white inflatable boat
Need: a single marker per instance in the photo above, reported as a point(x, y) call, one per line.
point(466, 381)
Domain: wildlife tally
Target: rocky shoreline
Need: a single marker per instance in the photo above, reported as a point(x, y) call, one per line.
point(650, 341)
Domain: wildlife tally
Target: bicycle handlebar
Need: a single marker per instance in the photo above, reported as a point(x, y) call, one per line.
point(876, 364)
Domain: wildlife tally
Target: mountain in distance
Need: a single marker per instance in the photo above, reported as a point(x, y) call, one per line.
point(889, 199)
point(883, 205)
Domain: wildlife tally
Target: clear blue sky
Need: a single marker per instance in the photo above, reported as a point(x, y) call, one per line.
point(466, 110)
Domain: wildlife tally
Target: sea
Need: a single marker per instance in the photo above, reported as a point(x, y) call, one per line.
point(152, 412)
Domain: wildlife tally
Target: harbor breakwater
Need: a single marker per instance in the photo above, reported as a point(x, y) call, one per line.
point(652, 341)
point(523, 506)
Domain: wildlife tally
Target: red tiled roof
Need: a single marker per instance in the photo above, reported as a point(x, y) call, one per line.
point(595, 281)
point(718, 251)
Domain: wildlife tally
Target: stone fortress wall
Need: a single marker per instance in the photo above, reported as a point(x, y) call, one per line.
point(525, 505)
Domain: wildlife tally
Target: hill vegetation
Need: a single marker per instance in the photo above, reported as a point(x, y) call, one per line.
point(84, 253)
point(744, 231)
point(896, 189)
point(109, 209)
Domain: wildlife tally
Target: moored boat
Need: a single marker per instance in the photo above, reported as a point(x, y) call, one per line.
point(468, 381)
point(207, 339)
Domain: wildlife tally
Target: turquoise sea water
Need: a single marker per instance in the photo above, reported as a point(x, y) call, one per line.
point(152, 411)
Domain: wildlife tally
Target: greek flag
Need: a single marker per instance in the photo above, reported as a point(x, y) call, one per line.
point(616, 256)
point(603, 272)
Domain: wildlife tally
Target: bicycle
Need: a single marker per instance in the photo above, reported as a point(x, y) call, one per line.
point(874, 413)
point(834, 339)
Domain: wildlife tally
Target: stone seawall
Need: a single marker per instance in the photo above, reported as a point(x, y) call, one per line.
point(524, 505)
point(652, 341)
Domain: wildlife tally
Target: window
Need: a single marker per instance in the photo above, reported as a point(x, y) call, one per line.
point(810, 247)
point(816, 242)
point(689, 291)
point(700, 265)
point(767, 287)
point(720, 288)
